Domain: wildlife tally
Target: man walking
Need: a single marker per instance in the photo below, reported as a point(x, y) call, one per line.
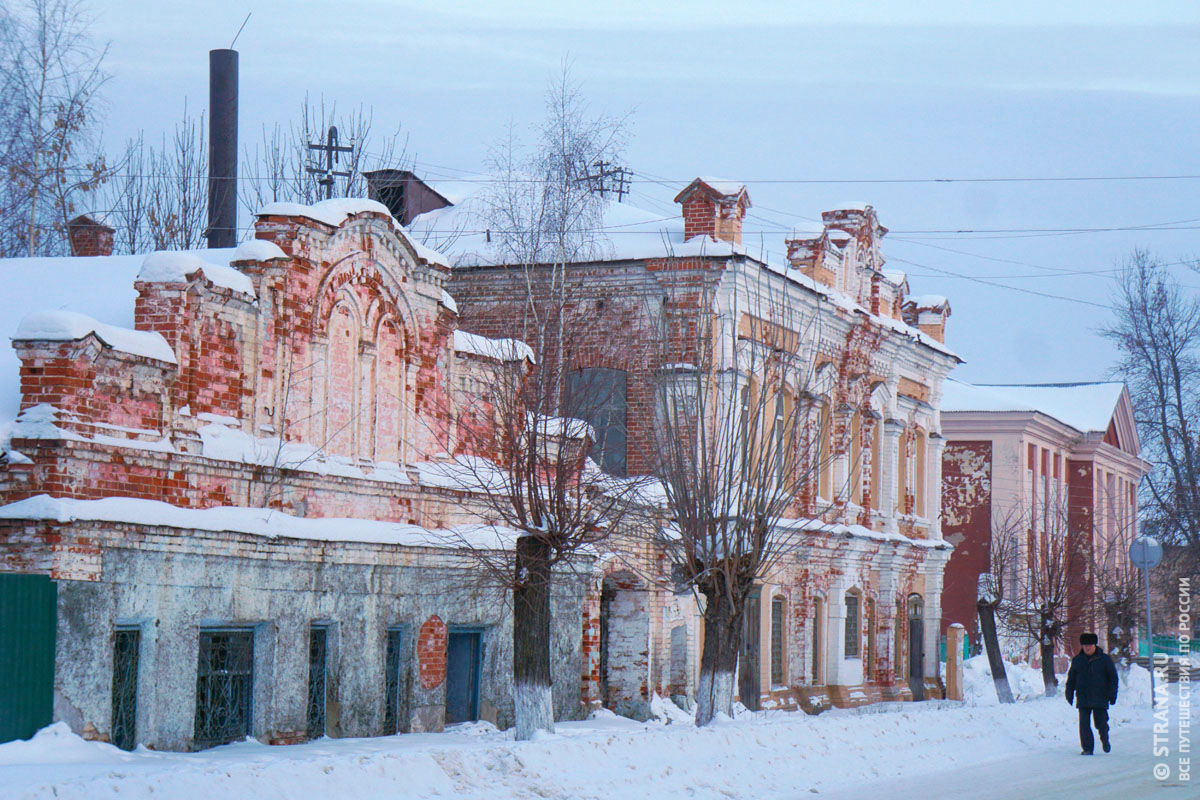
point(1092, 681)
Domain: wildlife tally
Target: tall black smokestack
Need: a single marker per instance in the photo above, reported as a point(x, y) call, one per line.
point(222, 147)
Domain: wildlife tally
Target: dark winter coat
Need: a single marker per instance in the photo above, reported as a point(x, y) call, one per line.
point(1092, 680)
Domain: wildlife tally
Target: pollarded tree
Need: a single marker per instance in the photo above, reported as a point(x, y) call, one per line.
point(537, 427)
point(741, 442)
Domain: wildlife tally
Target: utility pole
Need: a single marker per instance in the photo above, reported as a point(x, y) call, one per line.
point(332, 149)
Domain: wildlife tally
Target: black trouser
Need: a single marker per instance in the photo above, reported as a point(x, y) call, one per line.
point(1086, 715)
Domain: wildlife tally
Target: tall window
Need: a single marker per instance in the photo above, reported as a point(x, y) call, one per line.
point(598, 396)
point(856, 459)
point(918, 483)
point(224, 687)
point(876, 463)
point(777, 641)
point(126, 643)
point(779, 438)
point(825, 454)
point(853, 627)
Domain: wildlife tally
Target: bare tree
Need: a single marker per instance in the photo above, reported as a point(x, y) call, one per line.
point(50, 77)
point(1157, 330)
point(742, 444)
point(534, 428)
point(159, 200)
point(1037, 563)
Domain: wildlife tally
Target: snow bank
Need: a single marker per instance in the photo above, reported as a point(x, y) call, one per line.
point(761, 755)
point(1135, 686)
point(170, 266)
point(66, 326)
point(980, 690)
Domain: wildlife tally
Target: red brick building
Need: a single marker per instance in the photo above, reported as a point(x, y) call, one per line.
point(855, 615)
point(227, 500)
point(1047, 467)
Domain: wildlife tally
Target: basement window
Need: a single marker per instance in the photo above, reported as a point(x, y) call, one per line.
point(392, 683)
point(318, 639)
point(126, 645)
point(224, 687)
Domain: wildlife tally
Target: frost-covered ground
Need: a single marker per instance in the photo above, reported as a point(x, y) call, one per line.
point(766, 755)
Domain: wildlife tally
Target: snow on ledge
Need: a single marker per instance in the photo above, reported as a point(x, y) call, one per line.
point(448, 301)
point(499, 349)
point(67, 326)
point(257, 522)
point(168, 266)
point(257, 250)
point(332, 212)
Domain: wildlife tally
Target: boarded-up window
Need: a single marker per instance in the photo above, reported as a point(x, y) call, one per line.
point(597, 396)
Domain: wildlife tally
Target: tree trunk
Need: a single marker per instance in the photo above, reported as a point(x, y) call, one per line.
point(722, 638)
point(1048, 677)
point(534, 706)
point(987, 627)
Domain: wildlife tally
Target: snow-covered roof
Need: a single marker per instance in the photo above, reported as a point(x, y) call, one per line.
point(332, 212)
point(98, 287)
point(1086, 407)
point(723, 185)
point(629, 232)
point(256, 522)
point(499, 349)
point(929, 301)
point(66, 326)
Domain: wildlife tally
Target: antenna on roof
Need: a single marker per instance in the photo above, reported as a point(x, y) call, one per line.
point(239, 32)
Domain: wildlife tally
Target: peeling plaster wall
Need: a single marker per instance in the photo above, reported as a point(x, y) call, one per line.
point(170, 596)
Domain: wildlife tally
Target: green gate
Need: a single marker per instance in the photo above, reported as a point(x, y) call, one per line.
point(28, 612)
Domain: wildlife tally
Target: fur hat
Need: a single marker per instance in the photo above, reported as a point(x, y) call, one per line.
point(1088, 638)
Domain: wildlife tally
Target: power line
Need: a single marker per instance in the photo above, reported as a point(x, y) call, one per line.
point(1004, 286)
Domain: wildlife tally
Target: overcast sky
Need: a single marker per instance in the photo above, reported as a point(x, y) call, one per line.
point(776, 94)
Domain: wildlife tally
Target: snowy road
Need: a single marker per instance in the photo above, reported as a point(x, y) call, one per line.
point(1061, 772)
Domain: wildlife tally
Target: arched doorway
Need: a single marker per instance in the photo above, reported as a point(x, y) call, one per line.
point(916, 646)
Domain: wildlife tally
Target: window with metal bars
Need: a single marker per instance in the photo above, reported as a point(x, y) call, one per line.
point(777, 641)
point(224, 687)
point(126, 645)
point(318, 638)
point(853, 632)
point(392, 683)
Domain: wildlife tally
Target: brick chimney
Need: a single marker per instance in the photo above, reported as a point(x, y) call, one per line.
point(405, 195)
point(714, 208)
point(929, 314)
point(89, 237)
point(807, 253)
